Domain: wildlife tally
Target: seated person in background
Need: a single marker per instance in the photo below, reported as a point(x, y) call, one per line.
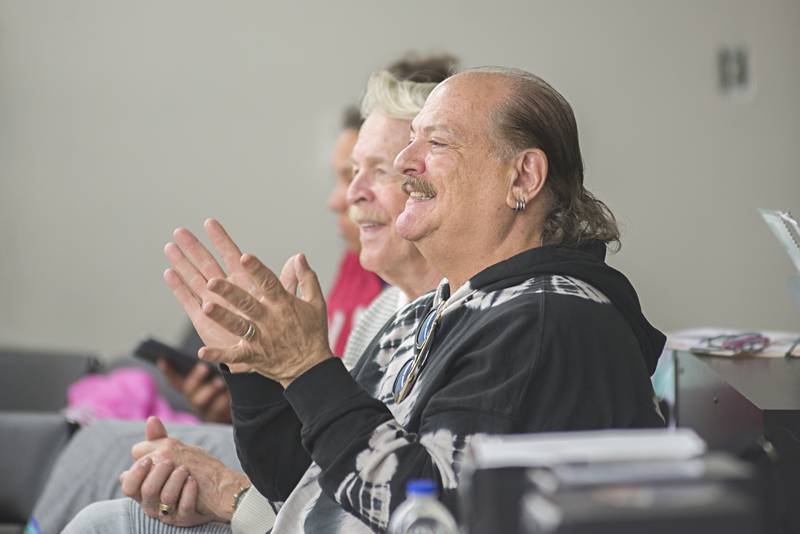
point(529, 330)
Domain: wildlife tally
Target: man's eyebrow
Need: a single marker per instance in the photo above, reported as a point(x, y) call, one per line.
point(439, 128)
point(436, 127)
point(372, 160)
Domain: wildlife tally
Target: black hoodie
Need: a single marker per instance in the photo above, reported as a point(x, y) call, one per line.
point(551, 339)
point(586, 263)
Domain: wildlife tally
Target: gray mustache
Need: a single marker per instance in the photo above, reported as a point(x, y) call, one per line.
point(411, 184)
point(357, 213)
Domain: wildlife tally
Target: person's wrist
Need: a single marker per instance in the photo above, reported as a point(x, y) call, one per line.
point(239, 368)
point(237, 499)
point(308, 365)
point(230, 488)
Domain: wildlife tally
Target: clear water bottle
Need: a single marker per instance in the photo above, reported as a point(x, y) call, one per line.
point(421, 512)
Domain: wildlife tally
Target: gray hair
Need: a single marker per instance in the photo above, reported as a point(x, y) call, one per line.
point(399, 99)
point(535, 115)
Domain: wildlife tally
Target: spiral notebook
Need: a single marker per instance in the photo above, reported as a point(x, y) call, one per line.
point(787, 230)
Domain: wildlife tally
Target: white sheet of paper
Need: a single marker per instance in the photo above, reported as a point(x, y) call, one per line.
point(531, 450)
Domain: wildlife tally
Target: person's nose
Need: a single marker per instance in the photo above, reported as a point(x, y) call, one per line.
point(410, 161)
point(360, 189)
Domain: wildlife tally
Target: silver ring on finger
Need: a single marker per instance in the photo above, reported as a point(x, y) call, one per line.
point(250, 333)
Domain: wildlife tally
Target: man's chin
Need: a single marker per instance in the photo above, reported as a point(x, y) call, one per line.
point(409, 227)
point(414, 222)
point(375, 260)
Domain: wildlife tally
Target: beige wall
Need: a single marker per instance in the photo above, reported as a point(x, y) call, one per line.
point(121, 120)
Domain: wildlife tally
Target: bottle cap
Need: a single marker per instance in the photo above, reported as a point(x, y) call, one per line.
point(421, 486)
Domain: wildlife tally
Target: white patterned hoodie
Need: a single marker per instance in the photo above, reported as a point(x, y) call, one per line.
point(551, 339)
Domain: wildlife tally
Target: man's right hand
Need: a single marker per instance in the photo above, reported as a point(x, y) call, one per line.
point(208, 398)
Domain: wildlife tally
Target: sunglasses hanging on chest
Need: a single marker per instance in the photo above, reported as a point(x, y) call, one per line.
point(422, 341)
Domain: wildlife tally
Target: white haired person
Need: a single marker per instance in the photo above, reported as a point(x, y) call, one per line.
point(375, 198)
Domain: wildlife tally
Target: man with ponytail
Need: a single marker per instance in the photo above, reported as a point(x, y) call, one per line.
point(529, 330)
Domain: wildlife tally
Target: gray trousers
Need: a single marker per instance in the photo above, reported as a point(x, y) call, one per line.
point(87, 470)
point(125, 516)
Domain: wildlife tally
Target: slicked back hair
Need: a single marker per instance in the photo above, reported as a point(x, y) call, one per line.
point(535, 115)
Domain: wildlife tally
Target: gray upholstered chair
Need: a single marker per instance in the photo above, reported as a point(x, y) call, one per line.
point(33, 386)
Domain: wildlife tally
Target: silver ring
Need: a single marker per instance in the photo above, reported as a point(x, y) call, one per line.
point(251, 332)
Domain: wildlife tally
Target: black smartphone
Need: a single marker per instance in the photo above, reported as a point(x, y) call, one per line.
point(151, 350)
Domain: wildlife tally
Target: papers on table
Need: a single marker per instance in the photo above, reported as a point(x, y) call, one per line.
point(696, 340)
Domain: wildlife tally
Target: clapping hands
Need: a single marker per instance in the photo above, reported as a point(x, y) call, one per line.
point(249, 318)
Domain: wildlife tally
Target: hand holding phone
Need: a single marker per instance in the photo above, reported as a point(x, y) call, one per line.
point(153, 350)
point(199, 382)
point(205, 392)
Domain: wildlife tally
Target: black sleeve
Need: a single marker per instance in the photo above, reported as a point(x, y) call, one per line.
point(267, 434)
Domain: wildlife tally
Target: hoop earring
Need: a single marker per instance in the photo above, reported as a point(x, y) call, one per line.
point(521, 205)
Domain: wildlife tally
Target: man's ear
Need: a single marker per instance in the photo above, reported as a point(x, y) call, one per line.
point(529, 176)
